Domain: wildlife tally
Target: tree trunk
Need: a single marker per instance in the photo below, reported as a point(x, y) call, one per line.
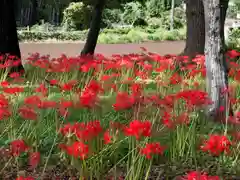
point(195, 28)
point(34, 13)
point(94, 30)
point(172, 15)
point(224, 7)
point(216, 67)
point(8, 32)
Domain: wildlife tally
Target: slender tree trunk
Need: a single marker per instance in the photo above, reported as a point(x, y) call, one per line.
point(94, 30)
point(172, 15)
point(8, 32)
point(34, 13)
point(224, 7)
point(216, 67)
point(195, 28)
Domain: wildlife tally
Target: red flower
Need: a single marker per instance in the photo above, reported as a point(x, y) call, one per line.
point(123, 101)
point(107, 137)
point(88, 131)
point(42, 89)
point(27, 113)
point(233, 54)
point(138, 129)
point(34, 159)
point(78, 149)
point(195, 175)
point(13, 90)
point(18, 147)
point(4, 83)
point(175, 79)
point(151, 149)
point(217, 144)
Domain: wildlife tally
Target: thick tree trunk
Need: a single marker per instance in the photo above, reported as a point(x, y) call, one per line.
point(195, 28)
point(8, 32)
point(216, 67)
point(94, 30)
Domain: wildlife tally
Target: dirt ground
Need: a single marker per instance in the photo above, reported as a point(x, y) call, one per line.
point(74, 48)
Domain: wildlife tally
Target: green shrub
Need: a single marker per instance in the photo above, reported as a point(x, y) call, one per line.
point(38, 36)
point(154, 22)
point(76, 16)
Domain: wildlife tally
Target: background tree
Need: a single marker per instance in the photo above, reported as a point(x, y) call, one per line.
point(216, 67)
point(8, 32)
point(195, 36)
point(94, 30)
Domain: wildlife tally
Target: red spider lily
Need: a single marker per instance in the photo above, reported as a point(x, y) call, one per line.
point(33, 101)
point(34, 159)
point(66, 103)
point(194, 97)
point(167, 120)
point(183, 118)
point(233, 54)
point(13, 90)
point(195, 175)
point(24, 178)
point(151, 149)
point(4, 84)
point(90, 94)
point(28, 113)
point(123, 101)
point(77, 150)
point(18, 147)
point(53, 82)
point(88, 99)
point(175, 79)
point(42, 89)
point(138, 129)
point(14, 75)
point(107, 137)
point(217, 144)
point(84, 131)
point(47, 104)
point(69, 85)
point(3, 101)
point(88, 131)
point(4, 113)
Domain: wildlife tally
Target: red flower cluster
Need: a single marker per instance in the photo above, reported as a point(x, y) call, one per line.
point(151, 149)
point(83, 131)
point(217, 144)
point(77, 150)
point(195, 175)
point(138, 129)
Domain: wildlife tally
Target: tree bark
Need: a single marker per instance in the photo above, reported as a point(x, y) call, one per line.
point(94, 30)
point(195, 28)
point(216, 67)
point(8, 32)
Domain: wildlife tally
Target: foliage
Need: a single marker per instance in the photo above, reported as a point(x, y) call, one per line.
point(127, 117)
point(234, 39)
point(156, 7)
point(76, 16)
point(111, 16)
point(132, 12)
